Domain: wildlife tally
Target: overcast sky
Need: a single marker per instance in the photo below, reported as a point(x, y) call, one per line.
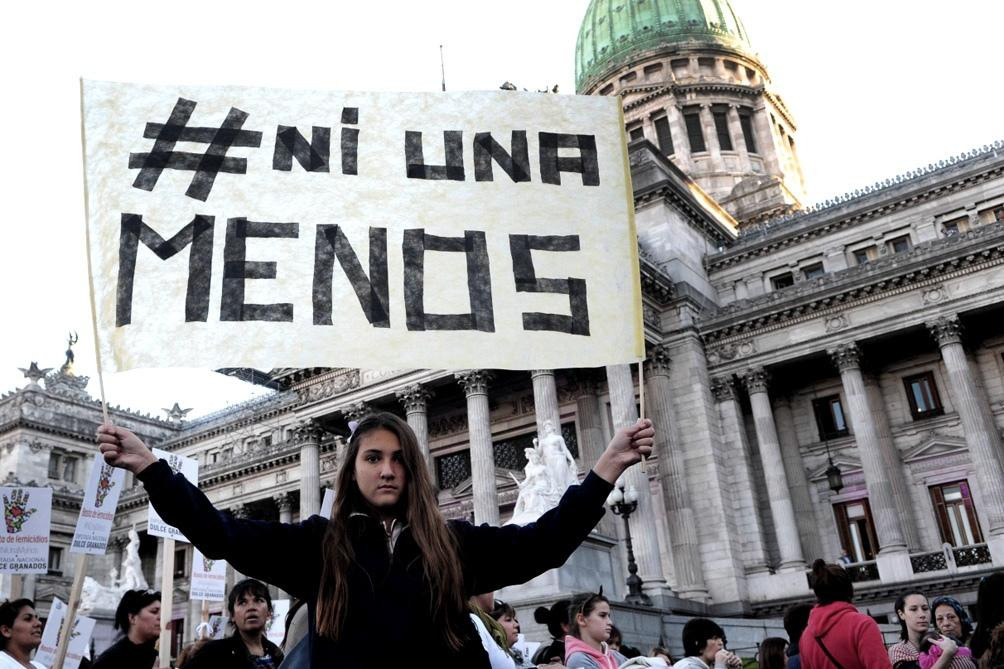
point(877, 88)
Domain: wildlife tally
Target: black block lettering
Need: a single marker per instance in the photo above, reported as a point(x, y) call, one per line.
point(371, 292)
point(479, 284)
point(414, 156)
point(551, 166)
point(198, 234)
point(516, 164)
point(289, 144)
point(237, 269)
point(350, 141)
point(520, 247)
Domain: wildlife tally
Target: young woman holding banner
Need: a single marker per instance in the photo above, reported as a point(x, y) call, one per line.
point(387, 577)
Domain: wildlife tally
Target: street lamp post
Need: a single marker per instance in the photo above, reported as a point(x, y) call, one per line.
point(623, 503)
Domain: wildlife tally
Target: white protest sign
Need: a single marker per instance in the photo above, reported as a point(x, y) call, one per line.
point(97, 511)
point(254, 227)
point(209, 578)
point(24, 545)
point(327, 503)
point(277, 624)
point(187, 467)
point(218, 625)
point(80, 637)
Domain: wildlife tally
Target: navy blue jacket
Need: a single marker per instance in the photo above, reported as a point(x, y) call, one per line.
point(389, 623)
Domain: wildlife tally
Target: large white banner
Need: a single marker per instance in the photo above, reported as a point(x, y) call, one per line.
point(274, 228)
point(209, 578)
point(97, 511)
point(180, 464)
point(24, 544)
point(80, 637)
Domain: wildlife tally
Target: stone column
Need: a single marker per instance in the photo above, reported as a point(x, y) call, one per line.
point(734, 436)
point(798, 482)
point(681, 143)
point(307, 435)
point(284, 502)
point(711, 137)
point(591, 442)
point(415, 399)
point(982, 435)
point(847, 358)
point(684, 545)
point(479, 427)
point(739, 139)
point(545, 399)
point(766, 138)
point(644, 531)
point(781, 508)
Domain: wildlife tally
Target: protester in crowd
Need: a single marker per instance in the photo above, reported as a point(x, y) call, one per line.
point(589, 627)
point(993, 658)
point(138, 618)
point(837, 634)
point(494, 637)
point(989, 612)
point(250, 608)
point(556, 619)
point(20, 634)
point(616, 642)
point(914, 623)
point(660, 652)
point(795, 620)
point(505, 615)
point(386, 550)
point(772, 653)
point(931, 653)
point(704, 647)
point(951, 619)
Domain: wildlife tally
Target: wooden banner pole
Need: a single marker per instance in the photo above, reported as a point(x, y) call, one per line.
point(166, 602)
point(641, 406)
point(71, 611)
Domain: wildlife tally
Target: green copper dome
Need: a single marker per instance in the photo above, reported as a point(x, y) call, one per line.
point(613, 31)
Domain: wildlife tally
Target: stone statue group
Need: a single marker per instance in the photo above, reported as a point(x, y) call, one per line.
point(549, 470)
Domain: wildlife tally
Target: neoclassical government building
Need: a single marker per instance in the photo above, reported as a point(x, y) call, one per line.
point(826, 379)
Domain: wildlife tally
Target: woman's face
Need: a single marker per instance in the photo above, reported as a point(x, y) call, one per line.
point(250, 613)
point(511, 627)
point(379, 470)
point(26, 632)
point(713, 645)
point(596, 626)
point(947, 621)
point(144, 625)
point(916, 614)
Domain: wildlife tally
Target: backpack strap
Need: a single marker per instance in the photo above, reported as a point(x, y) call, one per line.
point(828, 654)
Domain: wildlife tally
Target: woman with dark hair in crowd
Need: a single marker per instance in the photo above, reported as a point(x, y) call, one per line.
point(250, 607)
point(916, 646)
point(795, 620)
point(989, 612)
point(837, 634)
point(556, 619)
point(138, 618)
point(704, 647)
point(772, 653)
point(951, 619)
point(589, 626)
point(993, 658)
point(387, 574)
point(20, 634)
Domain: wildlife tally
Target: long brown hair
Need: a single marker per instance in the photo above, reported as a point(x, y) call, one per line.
point(436, 543)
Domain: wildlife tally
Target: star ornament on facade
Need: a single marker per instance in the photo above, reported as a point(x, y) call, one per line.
point(34, 373)
point(176, 413)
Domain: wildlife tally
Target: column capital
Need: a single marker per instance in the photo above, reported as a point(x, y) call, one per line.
point(946, 330)
point(658, 360)
point(239, 511)
point(474, 381)
point(723, 388)
point(845, 356)
point(307, 432)
point(583, 382)
point(541, 372)
point(284, 501)
point(414, 398)
point(357, 411)
point(756, 380)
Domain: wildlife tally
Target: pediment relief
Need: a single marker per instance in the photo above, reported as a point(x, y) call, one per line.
point(466, 487)
point(935, 446)
point(847, 465)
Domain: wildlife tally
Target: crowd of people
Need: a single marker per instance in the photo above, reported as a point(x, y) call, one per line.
point(388, 582)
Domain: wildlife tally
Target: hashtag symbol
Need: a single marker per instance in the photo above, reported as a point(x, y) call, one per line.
point(206, 165)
